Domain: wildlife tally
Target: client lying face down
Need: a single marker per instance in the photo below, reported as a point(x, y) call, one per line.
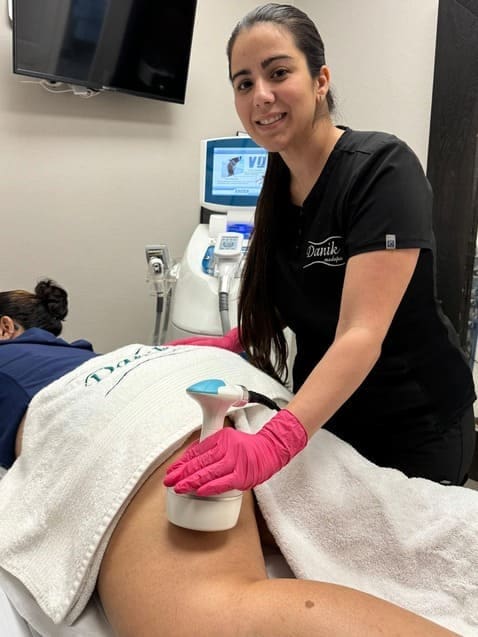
point(156, 578)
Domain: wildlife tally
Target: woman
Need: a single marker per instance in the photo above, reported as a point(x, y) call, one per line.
point(155, 578)
point(342, 253)
point(31, 354)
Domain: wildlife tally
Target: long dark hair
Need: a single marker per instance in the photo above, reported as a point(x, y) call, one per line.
point(45, 308)
point(261, 326)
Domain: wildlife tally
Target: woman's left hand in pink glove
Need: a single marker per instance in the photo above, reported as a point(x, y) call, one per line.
point(231, 459)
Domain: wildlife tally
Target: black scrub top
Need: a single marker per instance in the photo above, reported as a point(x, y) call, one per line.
point(371, 195)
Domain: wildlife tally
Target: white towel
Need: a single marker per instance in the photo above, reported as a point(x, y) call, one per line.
point(339, 518)
point(90, 440)
point(336, 516)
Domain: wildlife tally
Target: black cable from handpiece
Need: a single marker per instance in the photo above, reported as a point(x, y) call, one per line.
point(255, 397)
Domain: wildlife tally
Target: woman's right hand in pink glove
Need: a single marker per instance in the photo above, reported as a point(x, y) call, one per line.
point(229, 341)
point(231, 459)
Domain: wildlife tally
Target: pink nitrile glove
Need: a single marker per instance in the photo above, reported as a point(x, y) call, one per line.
point(231, 459)
point(229, 341)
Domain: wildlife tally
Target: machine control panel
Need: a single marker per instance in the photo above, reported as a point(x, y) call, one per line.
point(229, 245)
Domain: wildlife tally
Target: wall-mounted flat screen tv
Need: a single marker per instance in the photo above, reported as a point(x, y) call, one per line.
point(141, 47)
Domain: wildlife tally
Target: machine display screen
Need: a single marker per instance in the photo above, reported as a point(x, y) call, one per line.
point(233, 174)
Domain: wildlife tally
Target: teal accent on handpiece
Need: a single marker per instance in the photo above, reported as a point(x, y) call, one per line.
point(209, 386)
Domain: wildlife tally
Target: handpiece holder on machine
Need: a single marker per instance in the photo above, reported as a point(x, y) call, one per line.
point(214, 513)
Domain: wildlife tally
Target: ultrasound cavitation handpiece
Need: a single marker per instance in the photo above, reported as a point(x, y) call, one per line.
point(219, 512)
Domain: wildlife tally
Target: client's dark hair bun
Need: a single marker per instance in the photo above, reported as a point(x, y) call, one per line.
point(53, 297)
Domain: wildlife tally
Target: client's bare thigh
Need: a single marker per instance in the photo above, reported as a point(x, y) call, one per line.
point(154, 574)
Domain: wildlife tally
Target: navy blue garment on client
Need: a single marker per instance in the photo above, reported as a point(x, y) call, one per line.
point(28, 363)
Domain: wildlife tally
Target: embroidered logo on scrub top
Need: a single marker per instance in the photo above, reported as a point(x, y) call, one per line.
point(327, 252)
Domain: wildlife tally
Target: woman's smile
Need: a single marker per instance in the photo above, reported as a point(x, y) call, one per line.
point(270, 120)
point(276, 97)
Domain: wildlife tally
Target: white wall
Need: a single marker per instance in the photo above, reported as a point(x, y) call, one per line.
point(86, 184)
point(381, 54)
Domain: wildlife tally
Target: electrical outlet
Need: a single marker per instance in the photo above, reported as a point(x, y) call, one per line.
point(160, 251)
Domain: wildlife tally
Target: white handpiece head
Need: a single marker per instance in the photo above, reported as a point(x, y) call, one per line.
point(215, 398)
point(214, 513)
